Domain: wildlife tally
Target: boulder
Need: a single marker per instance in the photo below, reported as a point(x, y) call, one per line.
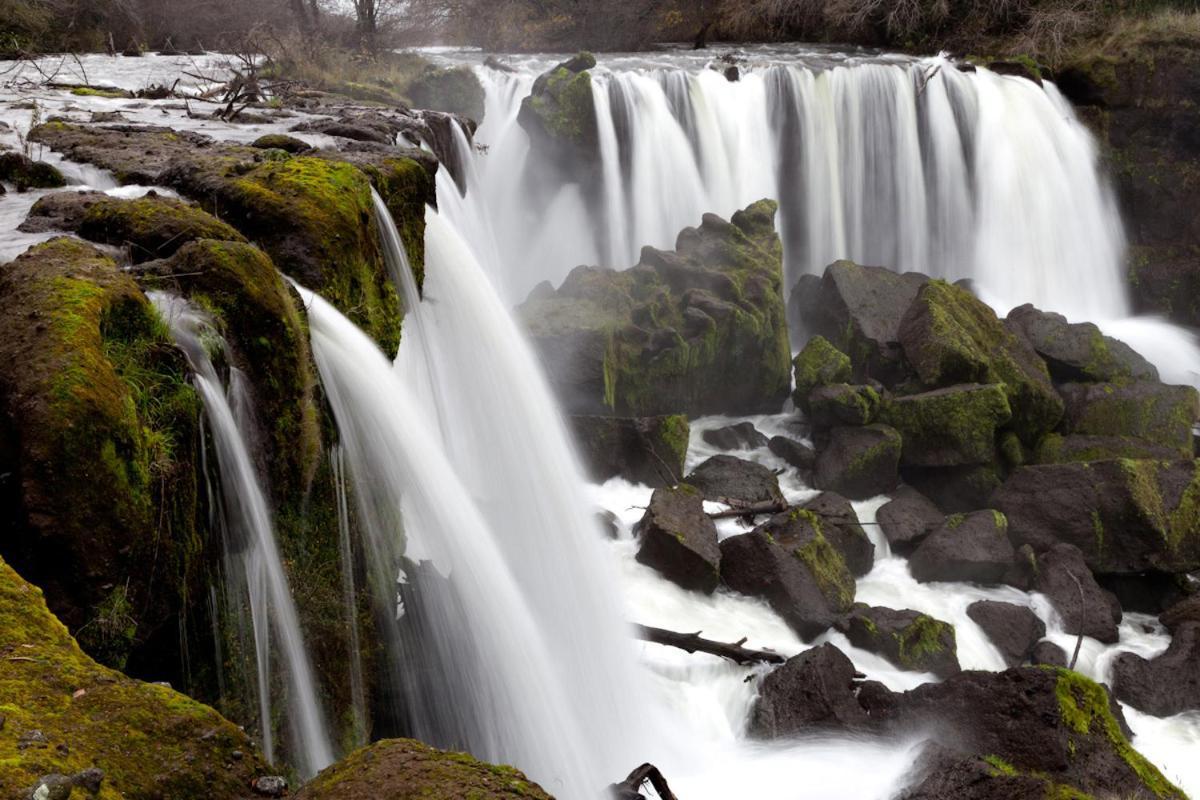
point(801, 533)
point(1055, 448)
point(1127, 516)
point(858, 309)
point(956, 490)
point(65, 715)
point(59, 211)
point(559, 114)
point(1063, 576)
point(405, 769)
point(1155, 413)
point(25, 173)
point(949, 427)
point(908, 639)
point(810, 692)
point(907, 519)
point(754, 565)
point(1013, 629)
point(741, 436)
point(859, 462)
point(842, 404)
point(966, 547)
point(1187, 610)
point(735, 481)
point(1148, 592)
point(841, 527)
point(943, 774)
point(818, 364)
point(679, 540)
point(950, 337)
point(795, 453)
point(1078, 351)
point(666, 336)
point(455, 90)
point(1047, 653)
point(281, 141)
point(647, 450)
point(1167, 684)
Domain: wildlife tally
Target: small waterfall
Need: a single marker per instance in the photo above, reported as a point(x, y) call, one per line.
point(252, 553)
point(358, 695)
point(908, 164)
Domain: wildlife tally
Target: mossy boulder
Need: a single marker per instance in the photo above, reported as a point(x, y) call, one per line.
point(405, 769)
point(1055, 448)
point(950, 337)
point(151, 226)
point(648, 450)
point(60, 211)
point(840, 525)
point(666, 336)
point(281, 141)
point(949, 427)
point(842, 404)
point(818, 364)
point(859, 462)
point(25, 173)
point(965, 547)
point(132, 153)
point(455, 89)
point(1153, 412)
point(810, 692)
point(1127, 516)
point(100, 436)
point(908, 639)
point(801, 532)
point(679, 540)
point(1078, 351)
point(64, 714)
point(559, 113)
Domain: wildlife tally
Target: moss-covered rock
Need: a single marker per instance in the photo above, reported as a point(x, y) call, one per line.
point(25, 173)
point(1078, 351)
point(949, 427)
point(1055, 448)
point(801, 533)
point(559, 113)
point(665, 336)
point(818, 364)
point(281, 141)
point(842, 404)
point(648, 450)
point(64, 713)
point(908, 639)
point(859, 462)
point(405, 769)
point(1155, 413)
point(100, 437)
point(151, 226)
point(455, 89)
point(951, 337)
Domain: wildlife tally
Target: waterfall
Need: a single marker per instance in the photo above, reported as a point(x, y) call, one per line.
point(252, 553)
point(358, 694)
point(909, 164)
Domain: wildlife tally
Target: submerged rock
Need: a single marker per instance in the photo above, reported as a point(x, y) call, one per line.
point(742, 436)
point(908, 639)
point(679, 540)
point(1013, 629)
point(859, 462)
point(735, 481)
point(965, 547)
point(1166, 684)
point(648, 450)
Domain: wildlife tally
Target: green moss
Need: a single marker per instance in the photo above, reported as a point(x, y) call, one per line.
point(151, 226)
point(1162, 417)
point(818, 364)
point(88, 91)
point(921, 639)
point(1000, 766)
point(827, 566)
point(954, 426)
point(406, 187)
point(675, 433)
point(566, 107)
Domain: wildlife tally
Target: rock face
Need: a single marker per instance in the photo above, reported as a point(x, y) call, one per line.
point(1013, 629)
point(1152, 412)
point(907, 519)
point(966, 547)
point(405, 769)
point(908, 639)
point(679, 540)
point(649, 450)
point(666, 336)
point(859, 462)
point(66, 715)
point(1167, 684)
point(1126, 516)
point(949, 427)
point(811, 691)
point(1058, 449)
point(1078, 351)
point(735, 481)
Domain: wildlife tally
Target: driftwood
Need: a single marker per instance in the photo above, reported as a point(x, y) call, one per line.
point(693, 643)
point(751, 509)
point(629, 789)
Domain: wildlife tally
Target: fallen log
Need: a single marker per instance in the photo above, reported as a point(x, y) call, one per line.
point(629, 789)
point(693, 643)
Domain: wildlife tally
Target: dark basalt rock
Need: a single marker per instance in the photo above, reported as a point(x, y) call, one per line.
point(818, 364)
point(742, 436)
point(25, 173)
point(1058, 449)
point(1181, 613)
point(1155, 413)
point(1127, 516)
point(842, 404)
point(359, 126)
point(966, 547)
point(1048, 653)
point(859, 462)
point(1013, 629)
point(280, 141)
point(559, 114)
point(1078, 351)
point(735, 481)
point(756, 566)
point(60, 211)
point(456, 90)
point(802, 533)
point(908, 639)
point(949, 427)
point(647, 450)
point(679, 540)
point(1167, 684)
point(956, 490)
point(1063, 576)
point(841, 527)
point(907, 519)
point(798, 454)
point(809, 692)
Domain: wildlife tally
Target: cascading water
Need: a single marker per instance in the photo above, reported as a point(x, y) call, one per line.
point(253, 562)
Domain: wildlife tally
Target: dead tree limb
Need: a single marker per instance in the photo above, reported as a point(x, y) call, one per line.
point(751, 509)
point(693, 643)
point(629, 789)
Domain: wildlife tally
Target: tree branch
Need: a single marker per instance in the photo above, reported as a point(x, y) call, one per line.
point(693, 643)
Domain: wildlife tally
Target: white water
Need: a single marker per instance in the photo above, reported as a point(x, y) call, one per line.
point(248, 519)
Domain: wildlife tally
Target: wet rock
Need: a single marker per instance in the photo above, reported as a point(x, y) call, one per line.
point(281, 141)
point(818, 364)
point(907, 519)
point(455, 90)
point(798, 454)
point(950, 337)
point(608, 522)
point(1184, 611)
point(810, 692)
point(949, 427)
point(842, 404)
point(51, 787)
point(1013, 629)
point(1167, 684)
point(741, 436)
point(1019, 69)
point(956, 490)
point(841, 527)
point(966, 547)
point(944, 774)
point(802, 533)
point(735, 481)
point(858, 309)
point(679, 540)
point(1148, 592)
point(801, 307)
point(559, 114)
point(908, 639)
point(1058, 449)
point(756, 566)
point(152, 226)
point(1063, 576)
point(25, 173)
point(1127, 516)
point(61, 211)
point(1078, 351)
point(270, 786)
point(647, 450)
point(406, 769)
point(1048, 653)
point(361, 127)
point(1152, 412)
point(859, 462)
